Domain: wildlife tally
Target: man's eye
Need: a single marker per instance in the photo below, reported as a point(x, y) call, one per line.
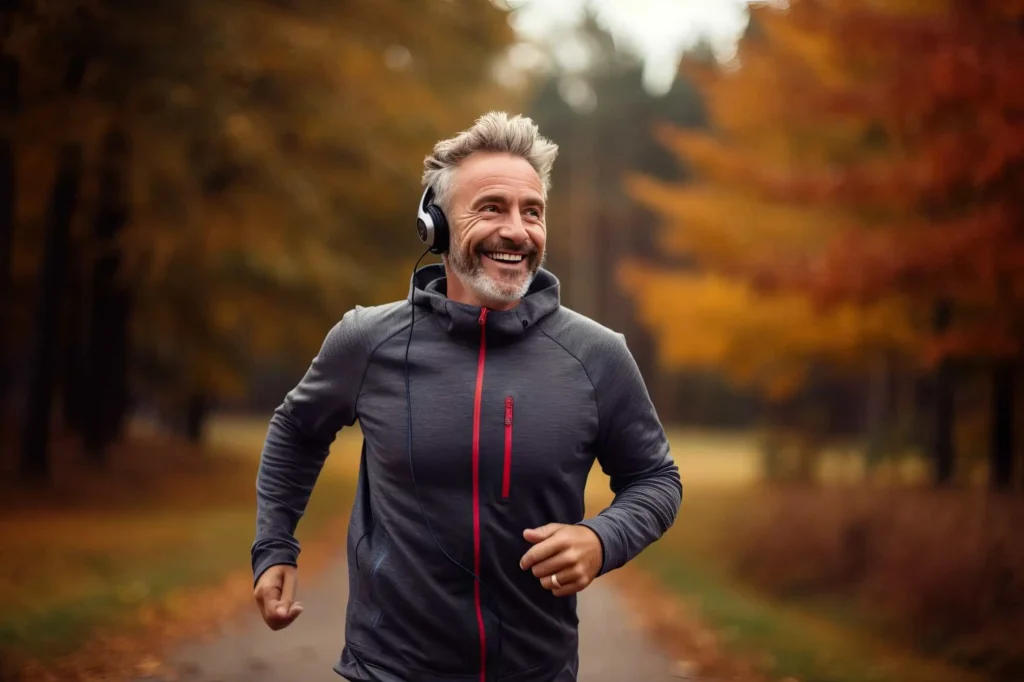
point(490, 207)
point(534, 212)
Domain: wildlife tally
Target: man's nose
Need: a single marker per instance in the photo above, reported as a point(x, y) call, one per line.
point(514, 230)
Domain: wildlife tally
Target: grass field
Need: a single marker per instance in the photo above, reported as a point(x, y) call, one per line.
point(124, 545)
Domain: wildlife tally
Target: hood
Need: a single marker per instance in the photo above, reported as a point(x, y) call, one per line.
point(429, 290)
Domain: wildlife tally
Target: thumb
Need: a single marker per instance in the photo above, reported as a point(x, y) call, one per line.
point(542, 533)
point(284, 606)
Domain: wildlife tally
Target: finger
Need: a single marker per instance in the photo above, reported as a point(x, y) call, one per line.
point(273, 609)
point(294, 609)
point(288, 589)
point(277, 621)
point(275, 605)
point(268, 591)
point(565, 577)
point(569, 582)
point(559, 562)
point(284, 610)
point(288, 595)
point(544, 550)
point(278, 616)
point(535, 535)
point(572, 588)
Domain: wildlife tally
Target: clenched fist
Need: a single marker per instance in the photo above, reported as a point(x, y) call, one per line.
point(275, 596)
point(566, 558)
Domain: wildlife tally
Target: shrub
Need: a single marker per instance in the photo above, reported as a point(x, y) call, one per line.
point(945, 568)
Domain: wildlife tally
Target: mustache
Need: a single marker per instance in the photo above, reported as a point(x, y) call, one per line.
point(508, 246)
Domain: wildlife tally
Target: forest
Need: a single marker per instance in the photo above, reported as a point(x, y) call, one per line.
point(173, 219)
point(815, 250)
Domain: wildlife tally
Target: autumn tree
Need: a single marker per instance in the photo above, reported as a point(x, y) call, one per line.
point(247, 170)
point(937, 208)
point(849, 166)
point(323, 113)
point(712, 313)
point(945, 187)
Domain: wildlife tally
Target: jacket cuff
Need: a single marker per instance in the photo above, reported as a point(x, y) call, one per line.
point(272, 557)
point(605, 530)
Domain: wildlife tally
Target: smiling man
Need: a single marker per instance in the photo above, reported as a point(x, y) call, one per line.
point(483, 404)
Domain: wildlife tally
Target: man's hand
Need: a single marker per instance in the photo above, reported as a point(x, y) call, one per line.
point(275, 596)
point(566, 558)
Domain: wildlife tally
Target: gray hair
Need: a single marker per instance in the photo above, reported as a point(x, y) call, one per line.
point(495, 131)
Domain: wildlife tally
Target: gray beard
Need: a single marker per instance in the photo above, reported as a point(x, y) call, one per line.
point(469, 268)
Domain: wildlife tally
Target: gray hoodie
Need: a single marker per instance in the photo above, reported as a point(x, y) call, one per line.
point(510, 409)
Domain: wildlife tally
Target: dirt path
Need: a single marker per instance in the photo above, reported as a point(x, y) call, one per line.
point(610, 649)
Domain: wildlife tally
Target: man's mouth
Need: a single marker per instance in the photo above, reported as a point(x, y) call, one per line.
point(505, 257)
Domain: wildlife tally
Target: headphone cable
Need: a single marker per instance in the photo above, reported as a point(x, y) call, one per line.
point(412, 469)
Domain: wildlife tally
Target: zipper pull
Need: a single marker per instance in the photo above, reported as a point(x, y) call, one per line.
point(508, 411)
point(483, 316)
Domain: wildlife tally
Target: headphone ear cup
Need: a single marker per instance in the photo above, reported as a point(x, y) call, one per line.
point(441, 237)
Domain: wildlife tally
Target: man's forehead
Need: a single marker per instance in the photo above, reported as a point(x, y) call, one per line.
point(498, 173)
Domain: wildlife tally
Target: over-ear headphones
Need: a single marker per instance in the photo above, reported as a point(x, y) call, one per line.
point(431, 223)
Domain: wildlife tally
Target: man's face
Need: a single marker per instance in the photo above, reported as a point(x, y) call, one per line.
point(498, 230)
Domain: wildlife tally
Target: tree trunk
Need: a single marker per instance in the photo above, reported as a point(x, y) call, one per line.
point(878, 412)
point(943, 448)
point(109, 326)
point(1002, 454)
point(75, 395)
point(9, 96)
point(35, 464)
point(196, 413)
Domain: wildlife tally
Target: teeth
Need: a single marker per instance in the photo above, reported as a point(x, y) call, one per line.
point(507, 257)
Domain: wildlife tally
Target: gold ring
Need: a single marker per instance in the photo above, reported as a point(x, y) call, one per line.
point(554, 580)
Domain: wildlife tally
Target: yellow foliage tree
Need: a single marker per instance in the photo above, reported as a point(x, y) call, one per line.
point(730, 223)
point(234, 176)
point(276, 150)
point(764, 341)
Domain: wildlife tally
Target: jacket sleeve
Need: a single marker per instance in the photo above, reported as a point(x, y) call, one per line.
point(633, 451)
point(300, 433)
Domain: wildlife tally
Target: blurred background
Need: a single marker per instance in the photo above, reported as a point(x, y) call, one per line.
point(806, 217)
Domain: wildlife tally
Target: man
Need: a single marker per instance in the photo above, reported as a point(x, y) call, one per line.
point(467, 542)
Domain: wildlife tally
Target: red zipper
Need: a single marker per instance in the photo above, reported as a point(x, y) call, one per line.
point(507, 475)
point(476, 491)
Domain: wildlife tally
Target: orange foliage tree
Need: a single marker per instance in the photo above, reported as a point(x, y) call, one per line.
point(729, 225)
point(870, 154)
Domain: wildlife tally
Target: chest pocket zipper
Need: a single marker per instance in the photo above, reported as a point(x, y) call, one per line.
point(506, 478)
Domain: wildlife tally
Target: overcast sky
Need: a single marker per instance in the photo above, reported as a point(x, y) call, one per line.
point(659, 29)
